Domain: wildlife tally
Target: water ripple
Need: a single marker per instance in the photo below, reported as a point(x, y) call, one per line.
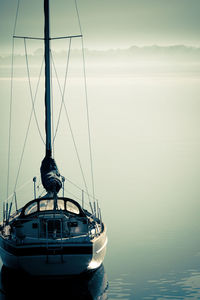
point(119, 288)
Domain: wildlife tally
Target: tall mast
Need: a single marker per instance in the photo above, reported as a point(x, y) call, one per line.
point(49, 172)
point(47, 79)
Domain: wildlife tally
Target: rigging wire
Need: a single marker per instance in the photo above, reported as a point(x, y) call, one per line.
point(11, 98)
point(31, 92)
point(71, 131)
point(77, 153)
point(86, 100)
point(62, 103)
point(19, 188)
point(32, 111)
point(78, 187)
point(62, 93)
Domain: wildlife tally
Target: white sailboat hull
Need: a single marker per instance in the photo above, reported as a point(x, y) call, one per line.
point(38, 265)
point(55, 262)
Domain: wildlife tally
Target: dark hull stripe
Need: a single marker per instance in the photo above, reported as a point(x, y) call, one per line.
point(32, 251)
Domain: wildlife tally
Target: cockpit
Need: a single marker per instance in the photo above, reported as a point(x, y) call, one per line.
point(43, 205)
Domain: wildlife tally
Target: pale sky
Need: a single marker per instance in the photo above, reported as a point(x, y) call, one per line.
point(107, 23)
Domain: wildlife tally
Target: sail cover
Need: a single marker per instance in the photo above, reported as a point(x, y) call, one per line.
point(50, 175)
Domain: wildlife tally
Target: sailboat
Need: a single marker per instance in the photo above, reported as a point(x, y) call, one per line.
point(52, 235)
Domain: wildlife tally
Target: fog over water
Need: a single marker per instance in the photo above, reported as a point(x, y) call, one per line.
point(145, 130)
point(143, 86)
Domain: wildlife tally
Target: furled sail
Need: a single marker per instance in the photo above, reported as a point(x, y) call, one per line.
point(49, 172)
point(50, 175)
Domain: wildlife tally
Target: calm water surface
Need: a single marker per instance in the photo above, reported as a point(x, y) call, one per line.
point(147, 170)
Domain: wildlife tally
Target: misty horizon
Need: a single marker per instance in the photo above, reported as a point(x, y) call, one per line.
point(119, 61)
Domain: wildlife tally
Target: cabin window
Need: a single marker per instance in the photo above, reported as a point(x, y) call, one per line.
point(60, 204)
point(49, 204)
point(32, 208)
point(46, 205)
point(72, 208)
point(73, 224)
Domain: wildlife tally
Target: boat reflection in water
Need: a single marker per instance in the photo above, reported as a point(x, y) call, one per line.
point(17, 285)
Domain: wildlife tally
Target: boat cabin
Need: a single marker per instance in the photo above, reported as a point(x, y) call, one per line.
point(46, 205)
point(40, 218)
